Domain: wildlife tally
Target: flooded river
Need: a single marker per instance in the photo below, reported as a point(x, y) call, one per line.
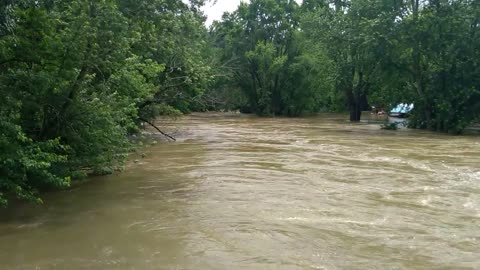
point(239, 192)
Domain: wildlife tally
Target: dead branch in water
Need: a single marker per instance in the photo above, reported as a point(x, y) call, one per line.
point(155, 127)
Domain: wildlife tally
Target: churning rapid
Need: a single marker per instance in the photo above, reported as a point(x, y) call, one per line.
point(240, 192)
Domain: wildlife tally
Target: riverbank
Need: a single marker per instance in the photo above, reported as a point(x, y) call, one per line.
point(325, 192)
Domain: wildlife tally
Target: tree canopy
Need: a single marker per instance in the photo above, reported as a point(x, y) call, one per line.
point(346, 54)
point(77, 77)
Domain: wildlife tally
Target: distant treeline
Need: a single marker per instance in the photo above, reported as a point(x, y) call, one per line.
point(290, 59)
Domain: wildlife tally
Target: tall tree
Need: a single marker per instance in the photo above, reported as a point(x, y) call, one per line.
point(78, 76)
point(261, 38)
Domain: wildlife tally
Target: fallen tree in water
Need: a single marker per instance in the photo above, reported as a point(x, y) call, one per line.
point(158, 129)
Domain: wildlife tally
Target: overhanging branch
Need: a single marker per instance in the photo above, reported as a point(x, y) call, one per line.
point(155, 127)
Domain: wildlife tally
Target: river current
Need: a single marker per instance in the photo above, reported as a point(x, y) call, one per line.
point(241, 192)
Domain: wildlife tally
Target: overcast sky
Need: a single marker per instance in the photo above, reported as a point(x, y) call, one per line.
point(215, 12)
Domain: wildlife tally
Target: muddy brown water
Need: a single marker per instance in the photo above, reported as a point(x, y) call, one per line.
point(240, 192)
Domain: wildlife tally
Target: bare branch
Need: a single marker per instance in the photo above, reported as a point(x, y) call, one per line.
point(155, 127)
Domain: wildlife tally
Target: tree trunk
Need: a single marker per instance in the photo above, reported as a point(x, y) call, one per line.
point(357, 99)
point(276, 97)
point(354, 106)
point(355, 112)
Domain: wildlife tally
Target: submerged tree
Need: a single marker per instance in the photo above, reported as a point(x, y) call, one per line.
point(261, 39)
point(440, 51)
point(78, 76)
point(339, 53)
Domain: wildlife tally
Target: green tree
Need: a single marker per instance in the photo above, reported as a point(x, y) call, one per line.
point(260, 39)
point(78, 76)
point(439, 52)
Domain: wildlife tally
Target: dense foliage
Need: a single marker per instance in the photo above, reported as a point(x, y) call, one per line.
point(290, 59)
point(78, 76)
point(268, 56)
